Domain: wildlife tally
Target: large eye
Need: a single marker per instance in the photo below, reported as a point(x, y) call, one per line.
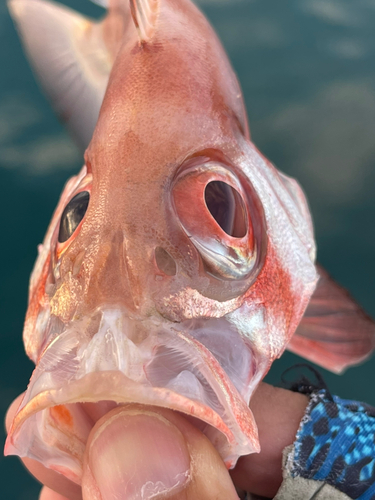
point(218, 216)
point(72, 215)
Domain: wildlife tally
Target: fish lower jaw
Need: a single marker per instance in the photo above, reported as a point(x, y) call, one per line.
point(202, 376)
point(54, 427)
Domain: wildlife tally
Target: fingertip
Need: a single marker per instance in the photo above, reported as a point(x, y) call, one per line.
point(53, 480)
point(153, 450)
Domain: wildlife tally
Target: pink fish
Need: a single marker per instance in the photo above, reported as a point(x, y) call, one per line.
point(179, 263)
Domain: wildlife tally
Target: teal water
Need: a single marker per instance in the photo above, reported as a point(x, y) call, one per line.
point(307, 69)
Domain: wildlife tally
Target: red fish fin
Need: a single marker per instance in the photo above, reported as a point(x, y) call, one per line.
point(335, 332)
point(145, 13)
point(71, 59)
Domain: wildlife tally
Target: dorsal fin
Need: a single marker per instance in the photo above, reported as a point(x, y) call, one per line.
point(145, 14)
point(71, 59)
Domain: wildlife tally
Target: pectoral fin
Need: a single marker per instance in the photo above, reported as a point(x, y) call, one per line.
point(71, 59)
point(335, 332)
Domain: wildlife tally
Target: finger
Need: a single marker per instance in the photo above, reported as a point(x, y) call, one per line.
point(47, 494)
point(53, 480)
point(278, 413)
point(137, 452)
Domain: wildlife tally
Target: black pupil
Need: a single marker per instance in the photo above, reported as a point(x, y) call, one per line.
point(73, 213)
point(227, 208)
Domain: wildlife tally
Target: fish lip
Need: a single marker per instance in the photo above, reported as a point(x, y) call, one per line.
point(168, 399)
point(26, 421)
point(55, 382)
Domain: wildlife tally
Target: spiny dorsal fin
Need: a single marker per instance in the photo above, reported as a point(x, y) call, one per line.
point(145, 13)
point(71, 59)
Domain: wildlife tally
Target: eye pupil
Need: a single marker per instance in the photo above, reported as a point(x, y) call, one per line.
point(226, 207)
point(72, 215)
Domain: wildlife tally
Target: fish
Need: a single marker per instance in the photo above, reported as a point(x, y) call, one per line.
point(179, 262)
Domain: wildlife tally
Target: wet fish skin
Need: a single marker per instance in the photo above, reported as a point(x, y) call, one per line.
point(149, 299)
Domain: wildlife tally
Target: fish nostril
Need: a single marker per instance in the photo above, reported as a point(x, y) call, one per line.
point(165, 262)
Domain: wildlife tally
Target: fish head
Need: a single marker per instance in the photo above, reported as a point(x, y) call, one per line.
point(178, 263)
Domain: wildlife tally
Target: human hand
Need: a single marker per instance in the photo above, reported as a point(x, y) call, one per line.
point(136, 448)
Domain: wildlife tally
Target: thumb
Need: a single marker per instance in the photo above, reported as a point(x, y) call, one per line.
point(138, 453)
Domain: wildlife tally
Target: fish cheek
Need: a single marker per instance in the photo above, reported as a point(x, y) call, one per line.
point(68, 274)
point(65, 301)
point(38, 312)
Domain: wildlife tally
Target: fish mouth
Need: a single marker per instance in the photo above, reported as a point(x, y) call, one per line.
point(201, 368)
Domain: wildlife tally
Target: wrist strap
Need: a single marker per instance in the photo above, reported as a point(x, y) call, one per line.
point(335, 445)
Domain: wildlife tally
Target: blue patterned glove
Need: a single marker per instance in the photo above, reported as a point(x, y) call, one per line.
point(335, 445)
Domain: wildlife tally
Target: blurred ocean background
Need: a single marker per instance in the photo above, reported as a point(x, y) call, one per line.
point(307, 70)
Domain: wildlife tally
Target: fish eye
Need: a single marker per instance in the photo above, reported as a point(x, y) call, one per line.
point(227, 208)
point(218, 216)
point(72, 215)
